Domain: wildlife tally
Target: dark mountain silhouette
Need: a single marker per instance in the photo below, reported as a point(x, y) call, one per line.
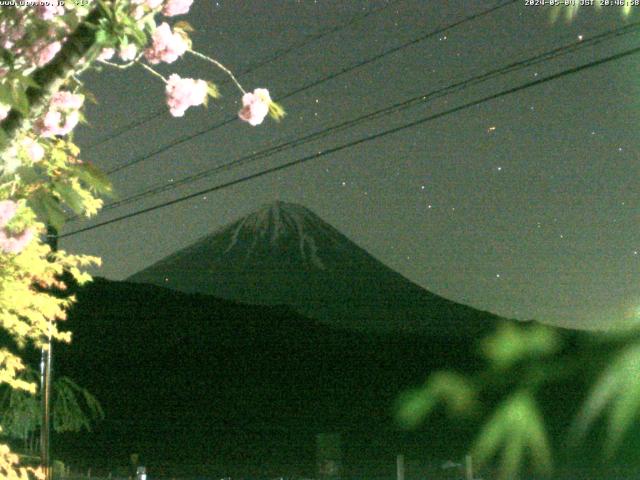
point(284, 254)
point(190, 380)
point(202, 386)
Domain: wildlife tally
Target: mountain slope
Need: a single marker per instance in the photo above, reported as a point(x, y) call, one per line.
point(187, 379)
point(285, 254)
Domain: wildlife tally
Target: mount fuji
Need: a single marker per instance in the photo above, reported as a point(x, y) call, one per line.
point(284, 254)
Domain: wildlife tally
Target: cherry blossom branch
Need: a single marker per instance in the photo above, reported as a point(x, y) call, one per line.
point(122, 66)
point(154, 72)
point(115, 65)
point(220, 66)
point(52, 76)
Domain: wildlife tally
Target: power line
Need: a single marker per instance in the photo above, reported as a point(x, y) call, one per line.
point(420, 99)
point(376, 136)
point(276, 56)
point(315, 83)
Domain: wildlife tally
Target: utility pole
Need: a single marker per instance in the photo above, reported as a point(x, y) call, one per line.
point(400, 467)
point(468, 467)
point(45, 382)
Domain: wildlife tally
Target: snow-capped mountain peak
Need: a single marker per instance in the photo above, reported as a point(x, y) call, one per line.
point(283, 223)
point(285, 254)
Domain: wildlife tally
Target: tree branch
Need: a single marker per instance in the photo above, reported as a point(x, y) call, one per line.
point(51, 77)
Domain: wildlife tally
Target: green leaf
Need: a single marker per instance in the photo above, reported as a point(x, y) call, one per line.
point(450, 388)
point(138, 35)
point(617, 389)
point(149, 23)
point(184, 26)
point(123, 41)
point(413, 407)
point(511, 344)
point(19, 99)
point(103, 37)
point(93, 177)
point(212, 90)
point(47, 208)
point(27, 174)
point(3, 139)
point(58, 156)
point(107, 10)
point(5, 94)
point(570, 12)
point(27, 81)
point(276, 111)
point(76, 407)
point(73, 408)
point(515, 428)
point(69, 196)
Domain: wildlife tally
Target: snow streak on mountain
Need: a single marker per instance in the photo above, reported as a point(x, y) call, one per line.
point(285, 254)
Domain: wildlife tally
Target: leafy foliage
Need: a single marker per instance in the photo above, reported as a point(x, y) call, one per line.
point(616, 392)
point(523, 361)
point(515, 428)
point(570, 9)
point(456, 391)
point(42, 179)
point(74, 408)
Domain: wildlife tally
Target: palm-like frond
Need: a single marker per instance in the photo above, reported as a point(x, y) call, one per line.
point(73, 408)
point(570, 11)
point(515, 429)
point(450, 388)
point(618, 390)
point(511, 344)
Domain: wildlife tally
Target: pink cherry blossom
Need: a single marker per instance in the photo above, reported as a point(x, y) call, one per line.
point(255, 106)
point(65, 100)
point(55, 123)
point(128, 52)
point(62, 115)
point(8, 209)
point(70, 122)
point(10, 243)
point(48, 125)
point(4, 111)
point(176, 7)
point(44, 53)
point(166, 45)
point(183, 93)
point(153, 4)
point(11, 32)
point(34, 150)
point(138, 12)
point(48, 11)
point(107, 53)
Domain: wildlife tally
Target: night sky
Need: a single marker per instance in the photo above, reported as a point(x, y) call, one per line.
point(526, 205)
